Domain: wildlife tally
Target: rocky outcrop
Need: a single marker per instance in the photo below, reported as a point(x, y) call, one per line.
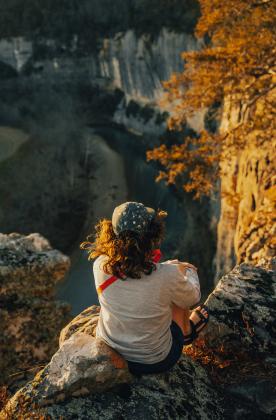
point(83, 365)
point(242, 334)
point(86, 379)
point(243, 312)
point(185, 392)
point(30, 318)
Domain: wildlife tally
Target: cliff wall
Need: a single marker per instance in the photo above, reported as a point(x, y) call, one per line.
point(134, 64)
point(246, 229)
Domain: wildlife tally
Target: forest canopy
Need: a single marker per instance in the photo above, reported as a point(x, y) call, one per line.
point(88, 19)
point(234, 70)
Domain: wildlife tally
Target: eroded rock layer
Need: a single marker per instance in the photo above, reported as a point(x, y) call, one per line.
point(30, 318)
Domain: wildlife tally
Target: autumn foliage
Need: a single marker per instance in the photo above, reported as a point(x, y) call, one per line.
point(235, 68)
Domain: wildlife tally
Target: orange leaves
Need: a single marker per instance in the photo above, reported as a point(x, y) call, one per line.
point(206, 356)
point(224, 367)
point(237, 66)
point(195, 158)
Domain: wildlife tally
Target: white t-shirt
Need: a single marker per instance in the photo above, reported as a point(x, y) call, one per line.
point(136, 314)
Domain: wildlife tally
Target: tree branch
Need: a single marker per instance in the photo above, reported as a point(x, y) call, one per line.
point(262, 3)
point(257, 97)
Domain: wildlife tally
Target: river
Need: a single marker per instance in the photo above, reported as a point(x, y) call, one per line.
point(121, 174)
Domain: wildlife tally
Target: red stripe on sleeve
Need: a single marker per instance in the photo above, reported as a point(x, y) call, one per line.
point(156, 256)
point(106, 283)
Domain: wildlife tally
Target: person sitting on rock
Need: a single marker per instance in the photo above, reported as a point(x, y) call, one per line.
point(145, 305)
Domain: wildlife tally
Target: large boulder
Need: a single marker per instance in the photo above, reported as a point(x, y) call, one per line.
point(86, 366)
point(185, 392)
point(30, 318)
point(83, 365)
point(241, 339)
point(243, 312)
point(24, 256)
point(85, 322)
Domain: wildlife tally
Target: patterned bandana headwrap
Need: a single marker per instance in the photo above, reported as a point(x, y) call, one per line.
point(132, 216)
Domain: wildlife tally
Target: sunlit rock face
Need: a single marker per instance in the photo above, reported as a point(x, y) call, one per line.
point(246, 229)
point(138, 65)
point(30, 318)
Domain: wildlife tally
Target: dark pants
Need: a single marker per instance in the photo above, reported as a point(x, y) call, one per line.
point(173, 356)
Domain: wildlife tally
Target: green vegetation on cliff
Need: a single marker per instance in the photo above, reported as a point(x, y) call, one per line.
point(91, 18)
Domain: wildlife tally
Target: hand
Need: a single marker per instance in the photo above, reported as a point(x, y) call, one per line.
point(184, 266)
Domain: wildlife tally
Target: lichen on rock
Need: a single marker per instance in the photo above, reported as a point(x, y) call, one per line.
point(184, 392)
point(85, 322)
point(243, 311)
point(30, 318)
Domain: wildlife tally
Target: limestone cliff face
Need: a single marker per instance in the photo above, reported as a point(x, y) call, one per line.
point(136, 64)
point(246, 229)
point(255, 234)
point(139, 64)
point(30, 318)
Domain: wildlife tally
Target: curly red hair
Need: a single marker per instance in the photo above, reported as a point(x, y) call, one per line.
point(129, 253)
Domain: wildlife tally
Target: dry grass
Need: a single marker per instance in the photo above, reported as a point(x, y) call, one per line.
point(4, 396)
point(23, 410)
point(224, 368)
